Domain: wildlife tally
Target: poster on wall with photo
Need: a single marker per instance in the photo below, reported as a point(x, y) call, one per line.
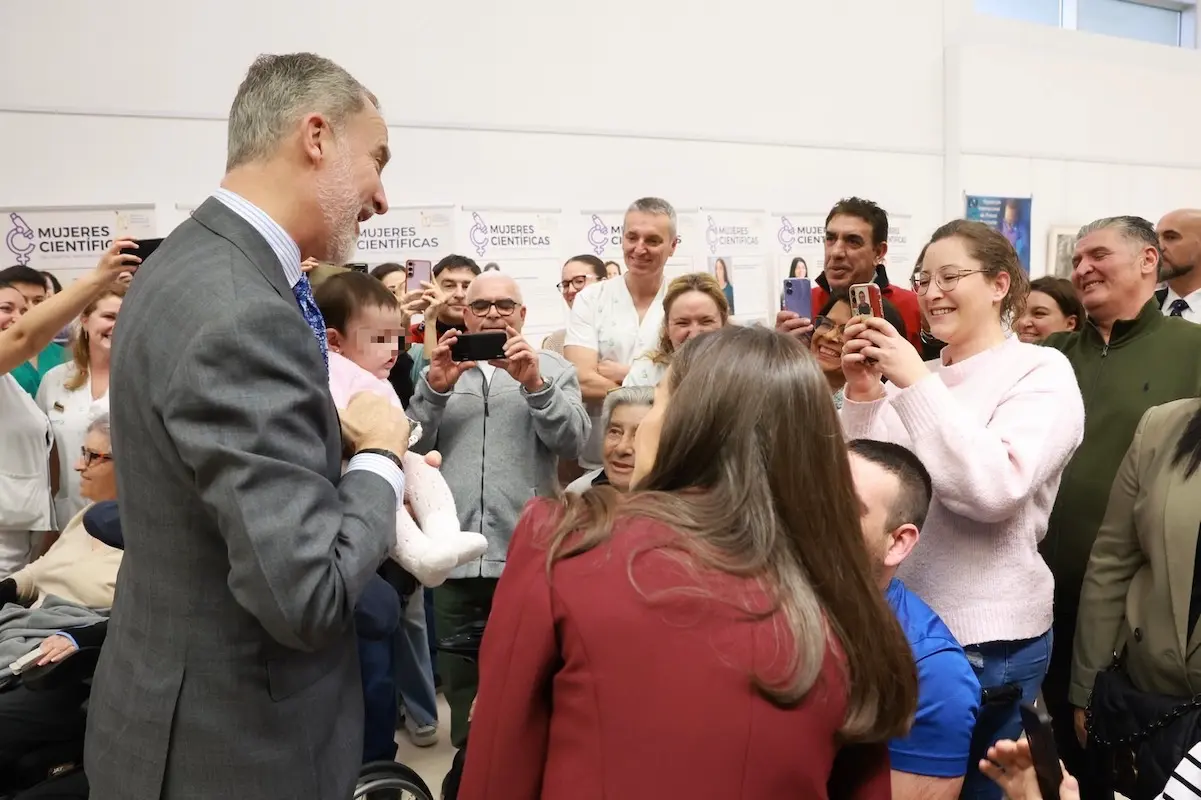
point(1061, 244)
point(598, 232)
point(1008, 215)
point(737, 256)
point(798, 246)
point(691, 253)
point(69, 241)
point(525, 244)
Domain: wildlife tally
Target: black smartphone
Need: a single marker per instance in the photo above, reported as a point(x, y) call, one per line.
point(143, 248)
point(483, 346)
point(1037, 724)
point(357, 266)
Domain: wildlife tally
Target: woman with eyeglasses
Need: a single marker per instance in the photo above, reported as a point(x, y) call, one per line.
point(578, 272)
point(826, 341)
point(995, 420)
point(693, 304)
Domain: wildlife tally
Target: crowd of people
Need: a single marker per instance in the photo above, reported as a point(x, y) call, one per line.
point(820, 557)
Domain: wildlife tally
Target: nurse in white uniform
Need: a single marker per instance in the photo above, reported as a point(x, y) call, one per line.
point(26, 439)
point(67, 393)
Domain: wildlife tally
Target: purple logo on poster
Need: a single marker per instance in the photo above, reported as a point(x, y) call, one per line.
point(787, 234)
point(711, 235)
point(479, 234)
point(598, 235)
point(20, 240)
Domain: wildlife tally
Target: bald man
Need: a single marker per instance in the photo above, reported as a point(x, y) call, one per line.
point(1180, 242)
point(501, 427)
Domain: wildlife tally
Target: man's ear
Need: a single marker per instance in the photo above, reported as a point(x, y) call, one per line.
point(904, 539)
point(881, 251)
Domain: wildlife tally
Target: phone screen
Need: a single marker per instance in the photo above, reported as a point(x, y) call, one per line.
point(798, 297)
point(419, 272)
point(483, 346)
point(1037, 724)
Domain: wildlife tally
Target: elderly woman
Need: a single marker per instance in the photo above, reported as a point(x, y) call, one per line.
point(693, 304)
point(623, 412)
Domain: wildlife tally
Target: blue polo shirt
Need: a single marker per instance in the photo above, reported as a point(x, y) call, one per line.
point(948, 694)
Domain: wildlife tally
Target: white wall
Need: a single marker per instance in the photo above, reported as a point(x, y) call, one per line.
point(764, 104)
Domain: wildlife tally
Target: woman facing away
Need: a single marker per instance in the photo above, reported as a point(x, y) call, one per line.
point(995, 420)
point(672, 642)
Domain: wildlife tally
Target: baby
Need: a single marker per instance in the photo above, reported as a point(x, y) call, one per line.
point(364, 326)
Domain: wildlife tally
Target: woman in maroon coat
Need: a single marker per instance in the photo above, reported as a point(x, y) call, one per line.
point(714, 634)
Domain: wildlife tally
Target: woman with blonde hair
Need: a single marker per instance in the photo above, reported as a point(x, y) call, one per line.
point(68, 391)
point(693, 304)
point(723, 614)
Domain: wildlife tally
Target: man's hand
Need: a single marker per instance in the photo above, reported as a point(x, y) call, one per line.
point(520, 361)
point(612, 370)
point(794, 325)
point(433, 298)
point(1080, 718)
point(1010, 766)
point(444, 372)
point(412, 303)
point(370, 422)
point(114, 263)
point(54, 649)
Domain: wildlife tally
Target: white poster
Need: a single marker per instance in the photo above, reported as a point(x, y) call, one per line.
point(598, 233)
point(899, 262)
point(690, 251)
point(407, 232)
point(737, 255)
point(525, 244)
point(799, 244)
point(70, 241)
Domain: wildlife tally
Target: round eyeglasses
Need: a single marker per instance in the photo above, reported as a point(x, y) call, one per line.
point(947, 281)
point(504, 308)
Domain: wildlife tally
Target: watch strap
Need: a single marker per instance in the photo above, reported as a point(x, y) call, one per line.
point(388, 454)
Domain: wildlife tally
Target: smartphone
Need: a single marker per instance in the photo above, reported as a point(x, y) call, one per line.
point(483, 346)
point(1037, 724)
point(419, 272)
point(798, 297)
point(866, 300)
point(357, 266)
point(143, 248)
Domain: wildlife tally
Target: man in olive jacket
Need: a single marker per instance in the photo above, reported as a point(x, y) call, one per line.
point(1128, 358)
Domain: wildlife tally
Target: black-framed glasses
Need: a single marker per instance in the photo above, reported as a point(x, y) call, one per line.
point(826, 326)
point(504, 308)
point(947, 281)
point(577, 283)
point(91, 457)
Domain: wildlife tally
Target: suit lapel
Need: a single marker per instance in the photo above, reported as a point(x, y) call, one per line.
point(1161, 295)
point(216, 216)
point(1181, 515)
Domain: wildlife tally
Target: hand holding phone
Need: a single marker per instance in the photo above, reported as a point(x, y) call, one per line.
point(419, 272)
point(1037, 724)
point(798, 297)
point(482, 346)
point(866, 300)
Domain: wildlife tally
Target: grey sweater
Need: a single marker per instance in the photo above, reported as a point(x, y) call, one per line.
point(22, 629)
point(500, 447)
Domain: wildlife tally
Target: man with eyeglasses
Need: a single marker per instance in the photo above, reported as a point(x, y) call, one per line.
point(501, 427)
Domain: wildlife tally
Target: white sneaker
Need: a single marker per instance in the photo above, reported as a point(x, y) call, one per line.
point(421, 735)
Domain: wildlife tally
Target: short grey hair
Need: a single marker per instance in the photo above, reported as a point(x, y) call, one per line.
point(1136, 230)
point(100, 424)
point(278, 91)
point(655, 205)
point(625, 396)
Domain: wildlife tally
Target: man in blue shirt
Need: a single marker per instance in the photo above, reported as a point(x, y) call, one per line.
point(929, 763)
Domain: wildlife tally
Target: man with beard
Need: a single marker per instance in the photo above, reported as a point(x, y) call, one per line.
point(230, 666)
point(1180, 244)
point(856, 243)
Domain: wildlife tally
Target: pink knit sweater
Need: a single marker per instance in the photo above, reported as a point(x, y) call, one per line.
point(995, 431)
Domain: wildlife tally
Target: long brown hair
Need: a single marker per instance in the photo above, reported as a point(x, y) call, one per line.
point(81, 355)
point(759, 485)
point(701, 282)
point(995, 254)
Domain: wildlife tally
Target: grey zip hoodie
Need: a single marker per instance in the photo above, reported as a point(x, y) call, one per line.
point(500, 447)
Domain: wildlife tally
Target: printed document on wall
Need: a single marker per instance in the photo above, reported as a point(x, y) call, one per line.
point(737, 256)
point(690, 250)
point(423, 232)
point(798, 242)
point(523, 244)
point(899, 261)
point(69, 241)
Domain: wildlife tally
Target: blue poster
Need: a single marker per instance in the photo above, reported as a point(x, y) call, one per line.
point(1009, 215)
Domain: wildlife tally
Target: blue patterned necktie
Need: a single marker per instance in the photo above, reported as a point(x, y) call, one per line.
point(312, 315)
point(1178, 307)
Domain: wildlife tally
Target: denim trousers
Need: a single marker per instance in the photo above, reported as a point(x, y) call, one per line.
point(997, 664)
point(379, 699)
point(414, 667)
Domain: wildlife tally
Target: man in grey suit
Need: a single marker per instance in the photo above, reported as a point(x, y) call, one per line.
point(230, 668)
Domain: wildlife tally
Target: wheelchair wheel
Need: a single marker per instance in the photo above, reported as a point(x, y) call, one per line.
point(388, 780)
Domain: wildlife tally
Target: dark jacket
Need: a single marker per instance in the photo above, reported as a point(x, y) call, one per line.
point(904, 300)
point(1148, 361)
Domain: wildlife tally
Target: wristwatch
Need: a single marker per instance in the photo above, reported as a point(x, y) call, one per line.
point(414, 438)
point(388, 454)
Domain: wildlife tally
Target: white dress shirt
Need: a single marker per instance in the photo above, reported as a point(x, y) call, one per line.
point(25, 502)
point(70, 412)
point(1192, 313)
point(604, 319)
point(288, 253)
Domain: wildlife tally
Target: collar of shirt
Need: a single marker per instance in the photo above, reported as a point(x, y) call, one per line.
point(1192, 298)
point(284, 247)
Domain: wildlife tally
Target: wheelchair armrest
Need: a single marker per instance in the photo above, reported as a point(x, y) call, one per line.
point(465, 641)
point(74, 669)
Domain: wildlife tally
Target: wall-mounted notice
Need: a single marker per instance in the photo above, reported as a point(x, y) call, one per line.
point(69, 241)
point(525, 244)
point(1009, 215)
point(407, 232)
point(691, 254)
point(899, 261)
point(798, 242)
point(737, 255)
point(598, 233)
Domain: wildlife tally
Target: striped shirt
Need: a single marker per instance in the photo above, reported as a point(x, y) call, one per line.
point(1185, 783)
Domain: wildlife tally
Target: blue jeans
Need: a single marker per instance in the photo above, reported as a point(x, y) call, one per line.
point(414, 667)
point(996, 664)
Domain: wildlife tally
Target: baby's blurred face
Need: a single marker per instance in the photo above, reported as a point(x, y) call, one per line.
point(372, 339)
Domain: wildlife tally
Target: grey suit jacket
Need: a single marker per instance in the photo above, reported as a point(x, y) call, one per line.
point(230, 669)
point(1139, 583)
